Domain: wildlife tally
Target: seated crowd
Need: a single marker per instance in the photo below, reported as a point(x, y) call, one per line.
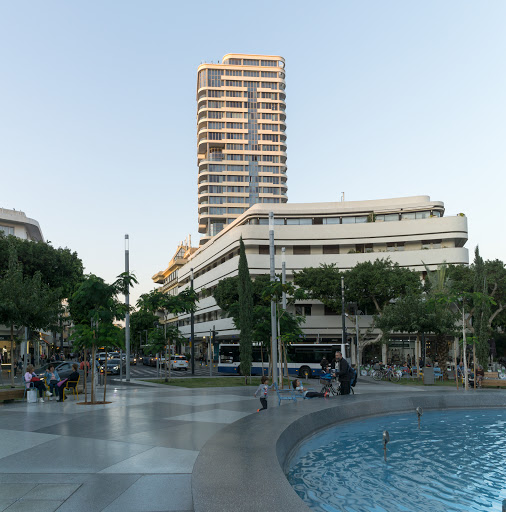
point(56, 385)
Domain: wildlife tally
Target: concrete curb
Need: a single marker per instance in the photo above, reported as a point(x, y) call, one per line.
point(242, 467)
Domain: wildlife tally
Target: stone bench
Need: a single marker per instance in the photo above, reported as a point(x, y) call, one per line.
point(493, 383)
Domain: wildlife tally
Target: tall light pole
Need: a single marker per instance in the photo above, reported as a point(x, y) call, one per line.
point(192, 331)
point(274, 340)
point(283, 276)
point(127, 302)
point(343, 314)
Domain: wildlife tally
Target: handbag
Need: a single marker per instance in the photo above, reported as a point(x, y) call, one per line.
point(60, 384)
point(31, 395)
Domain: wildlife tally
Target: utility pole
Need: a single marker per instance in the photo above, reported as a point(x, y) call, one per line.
point(192, 332)
point(127, 316)
point(343, 315)
point(274, 338)
point(283, 276)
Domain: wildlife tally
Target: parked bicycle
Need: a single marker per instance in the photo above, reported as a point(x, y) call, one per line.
point(386, 374)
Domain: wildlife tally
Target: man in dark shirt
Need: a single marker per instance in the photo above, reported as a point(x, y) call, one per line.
point(342, 371)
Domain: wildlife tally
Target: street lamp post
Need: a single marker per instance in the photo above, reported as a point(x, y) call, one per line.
point(127, 303)
point(274, 340)
point(192, 331)
point(343, 313)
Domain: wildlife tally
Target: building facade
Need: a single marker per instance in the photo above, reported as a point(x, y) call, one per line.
point(241, 138)
point(411, 231)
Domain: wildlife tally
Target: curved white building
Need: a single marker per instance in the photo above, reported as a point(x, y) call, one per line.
point(241, 139)
point(411, 231)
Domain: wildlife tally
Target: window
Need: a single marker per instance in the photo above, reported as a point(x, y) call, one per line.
point(332, 220)
point(217, 211)
point(217, 168)
point(270, 148)
point(328, 312)
point(234, 135)
point(269, 85)
point(272, 117)
point(233, 83)
point(271, 127)
point(270, 158)
point(214, 78)
point(272, 63)
point(233, 72)
point(270, 95)
point(270, 200)
point(214, 136)
point(236, 210)
point(215, 126)
point(360, 248)
point(235, 147)
point(251, 73)
point(269, 106)
point(301, 249)
point(436, 213)
point(7, 230)
point(215, 115)
point(214, 189)
point(250, 62)
point(270, 179)
point(422, 215)
point(270, 190)
point(263, 249)
point(234, 62)
point(235, 157)
point(408, 216)
point(269, 74)
point(330, 249)
point(431, 244)
point(234, 94)
point(234, 104)
point(388, 217)
point(215, 104)
point(395, 246)
point(215, 94)
point(298, 222)
point(303, 309)
point(234, 115)
point(234, 126)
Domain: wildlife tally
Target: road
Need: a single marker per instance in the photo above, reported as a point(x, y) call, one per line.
point(140, 371)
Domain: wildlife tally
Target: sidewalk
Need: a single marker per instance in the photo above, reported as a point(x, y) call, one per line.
point(133, 455)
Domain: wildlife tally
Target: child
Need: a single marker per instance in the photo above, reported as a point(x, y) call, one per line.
point(262, 390)
point(297, 386)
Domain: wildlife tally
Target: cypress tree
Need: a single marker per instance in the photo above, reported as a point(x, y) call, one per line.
point(245, 289)
point(481, 310)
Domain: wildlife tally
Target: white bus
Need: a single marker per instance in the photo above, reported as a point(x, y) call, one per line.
point(302, 358)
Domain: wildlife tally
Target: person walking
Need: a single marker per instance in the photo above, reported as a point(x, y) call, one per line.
point(262, 391)
point(342, 368)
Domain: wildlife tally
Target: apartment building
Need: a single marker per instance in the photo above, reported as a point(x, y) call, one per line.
point(412, 231)
point(241, 138)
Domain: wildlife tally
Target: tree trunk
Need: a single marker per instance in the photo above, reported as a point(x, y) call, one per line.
point(455, 362)
point(474, 362)
point(105, 375)
point(92, 374)
point(166, 362)
point(12, 358)
point(85, 365)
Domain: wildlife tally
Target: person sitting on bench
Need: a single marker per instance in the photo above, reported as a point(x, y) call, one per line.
point(297, 386)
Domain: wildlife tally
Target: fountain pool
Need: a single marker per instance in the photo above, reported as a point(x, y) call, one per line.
point(455, 462)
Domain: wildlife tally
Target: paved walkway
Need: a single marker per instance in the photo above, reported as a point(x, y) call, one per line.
point(133, 455)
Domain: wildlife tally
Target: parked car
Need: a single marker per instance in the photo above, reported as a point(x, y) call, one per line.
point(179, 363)
point(64, 368)
point(113, 366)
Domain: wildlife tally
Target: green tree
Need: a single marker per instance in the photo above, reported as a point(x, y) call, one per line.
point(94, 306)
point(24, 301)
point(245, 317)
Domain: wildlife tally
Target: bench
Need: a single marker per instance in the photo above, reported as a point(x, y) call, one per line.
point(285, 394)
point(493, 383)
point(11, 394)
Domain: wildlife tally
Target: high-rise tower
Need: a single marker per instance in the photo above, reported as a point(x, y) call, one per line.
point(241, 138)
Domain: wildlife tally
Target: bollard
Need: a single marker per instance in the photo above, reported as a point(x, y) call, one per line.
point(386, 439)
point(419, 411)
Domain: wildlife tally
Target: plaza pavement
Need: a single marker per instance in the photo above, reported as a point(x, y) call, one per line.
point(133, 455)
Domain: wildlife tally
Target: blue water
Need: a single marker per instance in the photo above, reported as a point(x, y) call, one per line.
point(456, 462)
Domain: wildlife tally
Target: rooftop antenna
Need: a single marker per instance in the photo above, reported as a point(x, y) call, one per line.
point(342, 197)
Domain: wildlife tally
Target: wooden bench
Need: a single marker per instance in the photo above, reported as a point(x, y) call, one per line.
point(11, 394)
point(493, 383)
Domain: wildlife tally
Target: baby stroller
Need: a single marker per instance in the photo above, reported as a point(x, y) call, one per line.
point(329, 383)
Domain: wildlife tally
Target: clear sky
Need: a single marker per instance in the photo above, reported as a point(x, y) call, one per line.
point(384, 99)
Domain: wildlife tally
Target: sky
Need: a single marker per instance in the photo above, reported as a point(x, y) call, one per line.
point(385, 98)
